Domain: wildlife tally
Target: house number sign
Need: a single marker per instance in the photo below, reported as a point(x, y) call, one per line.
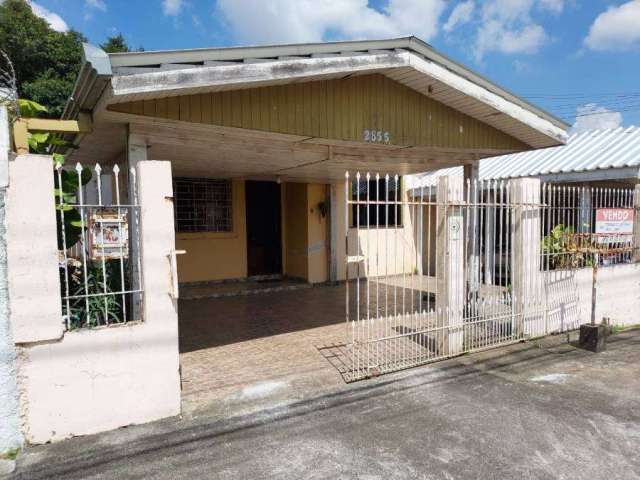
point(376, 136)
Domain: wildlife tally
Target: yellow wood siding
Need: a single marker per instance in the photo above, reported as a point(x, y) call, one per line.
point(334, 109)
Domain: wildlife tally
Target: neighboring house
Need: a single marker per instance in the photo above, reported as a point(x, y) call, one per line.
point(593, 158)
point(238, 157)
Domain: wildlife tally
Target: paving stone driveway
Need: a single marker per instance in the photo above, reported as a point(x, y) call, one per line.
point(242, 348)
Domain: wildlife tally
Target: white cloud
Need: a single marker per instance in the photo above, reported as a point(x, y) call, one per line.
point(56, 22)
point(506, 26)
point(97, 4)
point(594, 117)
point(172, 8)
point(553, 6)
point(616, 29)
point(460, 15)
point(316, 20)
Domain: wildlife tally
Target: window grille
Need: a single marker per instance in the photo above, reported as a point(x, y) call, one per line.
point(382, 197)
point(202, 205)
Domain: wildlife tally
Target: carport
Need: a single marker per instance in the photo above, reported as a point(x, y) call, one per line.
point(259, 140)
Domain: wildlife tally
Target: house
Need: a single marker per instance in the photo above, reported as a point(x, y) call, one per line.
point(592, 158)
point(228, 164)
point(268, 130)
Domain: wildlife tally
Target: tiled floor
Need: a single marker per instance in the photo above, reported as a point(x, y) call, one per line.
point(290, 344)
point(236, 288)
point(239, 347)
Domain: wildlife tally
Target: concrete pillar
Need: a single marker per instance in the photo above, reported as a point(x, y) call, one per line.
point(10, 435)
point(334, 213)
point(136, 152)
point(450, 264)
point(32, 249)
point(526, 275)
point(157, 240)
point(472, 221)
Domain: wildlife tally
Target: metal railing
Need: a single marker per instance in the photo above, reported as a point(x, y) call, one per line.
point(98, 246)
point(468, 267)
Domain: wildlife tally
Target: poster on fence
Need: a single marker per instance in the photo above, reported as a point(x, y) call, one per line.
point(614, 225)
point(109, 235)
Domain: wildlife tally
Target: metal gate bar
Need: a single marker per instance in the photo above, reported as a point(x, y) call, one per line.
point(459, 266)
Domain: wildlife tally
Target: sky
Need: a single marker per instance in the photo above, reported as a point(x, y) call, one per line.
point(578, 59)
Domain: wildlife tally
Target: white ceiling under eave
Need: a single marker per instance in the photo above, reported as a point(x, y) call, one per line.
point(405, 67)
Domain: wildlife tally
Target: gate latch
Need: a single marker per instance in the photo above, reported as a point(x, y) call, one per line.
point(174, 271)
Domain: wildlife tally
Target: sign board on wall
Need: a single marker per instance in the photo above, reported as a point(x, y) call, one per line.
point(109, 234)
point(614, 224)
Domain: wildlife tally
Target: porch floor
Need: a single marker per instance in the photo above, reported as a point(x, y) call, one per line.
point(272, 345)
point(233, 288)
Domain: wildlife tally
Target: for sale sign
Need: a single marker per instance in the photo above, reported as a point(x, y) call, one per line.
point(614, 224)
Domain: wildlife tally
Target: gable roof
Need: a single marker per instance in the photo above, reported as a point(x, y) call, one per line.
point(409, 61)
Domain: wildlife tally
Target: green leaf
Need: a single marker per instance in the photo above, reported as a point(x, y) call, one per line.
point(29, 108)
point(58, 158)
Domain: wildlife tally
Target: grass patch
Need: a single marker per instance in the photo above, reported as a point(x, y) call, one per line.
point(10, 454)
point(613, 329)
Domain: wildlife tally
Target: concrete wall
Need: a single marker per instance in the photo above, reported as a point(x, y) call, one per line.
point(296, 233)
point(32, 247)
point(569, 296)
point(391, 251)
point(10, 435)
point(216, 256)
point(305, 244)
point(94, 380)
point(317, 233)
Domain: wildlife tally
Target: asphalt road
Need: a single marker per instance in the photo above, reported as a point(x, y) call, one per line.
point(543, 411)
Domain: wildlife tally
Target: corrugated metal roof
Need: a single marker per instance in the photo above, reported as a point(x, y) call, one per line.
point(584, 152)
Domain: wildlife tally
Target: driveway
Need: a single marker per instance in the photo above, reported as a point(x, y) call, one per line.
point(542, 410)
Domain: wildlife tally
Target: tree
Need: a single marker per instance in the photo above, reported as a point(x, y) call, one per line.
point(46, 62)
point(115, 44)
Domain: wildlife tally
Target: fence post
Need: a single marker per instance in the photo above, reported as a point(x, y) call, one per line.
point(450, 264)
point(157, 245)
point(526, 276)
point(636, 224)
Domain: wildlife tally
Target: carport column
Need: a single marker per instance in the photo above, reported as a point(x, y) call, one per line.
point(136, 152)
point(526, 275)
point(450, 264)
point(636, 225)
point(334, 212)
point(157, 244)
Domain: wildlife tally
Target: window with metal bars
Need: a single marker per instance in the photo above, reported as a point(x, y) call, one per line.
point(384, 209)
point(202, 205)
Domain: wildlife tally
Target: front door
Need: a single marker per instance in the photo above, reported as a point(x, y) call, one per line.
point(264, 240)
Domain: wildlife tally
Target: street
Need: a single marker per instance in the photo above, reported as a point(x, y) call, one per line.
point(533, 410)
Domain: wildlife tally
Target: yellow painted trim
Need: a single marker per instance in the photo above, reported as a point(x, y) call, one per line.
point(21, 137)
point(82, 125)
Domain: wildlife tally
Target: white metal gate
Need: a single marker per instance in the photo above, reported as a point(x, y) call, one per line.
point(458, 266)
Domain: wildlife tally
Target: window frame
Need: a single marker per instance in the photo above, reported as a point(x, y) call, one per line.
point(396, 224)
point(203, 226)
